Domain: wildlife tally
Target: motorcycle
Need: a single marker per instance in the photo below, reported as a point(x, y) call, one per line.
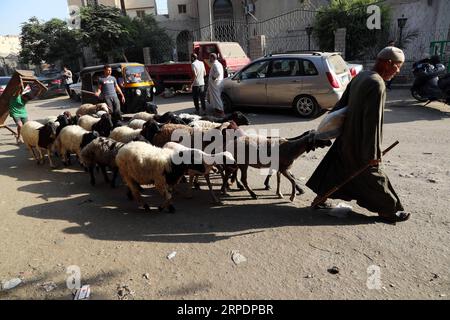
point(431, 83)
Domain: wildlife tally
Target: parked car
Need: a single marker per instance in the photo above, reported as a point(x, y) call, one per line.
point(306, 82)
point(75, 90)
point(179, 74)
point(54, 83)
point(3, 83)
point(355, 68)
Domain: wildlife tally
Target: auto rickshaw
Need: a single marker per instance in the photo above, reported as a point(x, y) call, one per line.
point(133, 79)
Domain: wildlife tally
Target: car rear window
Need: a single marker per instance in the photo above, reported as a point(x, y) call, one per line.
point(4, 81)
point(231, 50)
point(337, 64)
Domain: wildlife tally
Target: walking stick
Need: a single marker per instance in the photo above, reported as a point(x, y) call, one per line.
point(323, 198)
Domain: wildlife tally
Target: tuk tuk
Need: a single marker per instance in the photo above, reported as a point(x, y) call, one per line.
point(133, 79)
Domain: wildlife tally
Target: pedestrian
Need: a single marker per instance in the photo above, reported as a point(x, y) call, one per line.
point(389, 82)
point(108, 87)
point(360, 144)
point(198, 84)
point(215, 85)
point(67, 78)
point(18, 112)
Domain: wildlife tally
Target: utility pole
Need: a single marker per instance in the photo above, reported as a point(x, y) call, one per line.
point(123, 8)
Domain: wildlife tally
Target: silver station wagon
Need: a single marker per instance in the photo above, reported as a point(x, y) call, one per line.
point(307, 83)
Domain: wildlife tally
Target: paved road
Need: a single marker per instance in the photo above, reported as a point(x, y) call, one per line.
point(52, 219)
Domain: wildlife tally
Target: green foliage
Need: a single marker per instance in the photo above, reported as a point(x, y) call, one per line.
point(352, 15)
point(103, 29)
point(49, 41)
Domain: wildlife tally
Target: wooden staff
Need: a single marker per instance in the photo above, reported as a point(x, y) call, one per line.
point(357, 173)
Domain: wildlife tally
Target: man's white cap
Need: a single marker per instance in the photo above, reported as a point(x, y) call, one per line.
point(392, 53)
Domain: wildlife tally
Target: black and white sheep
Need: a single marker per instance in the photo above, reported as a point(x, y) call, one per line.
point(102, 125)
point(238, 117)
point(210, 160)
point(102, 152)
point(126, 134)
point(36, 136)
point(142, 164)
point(136, 124)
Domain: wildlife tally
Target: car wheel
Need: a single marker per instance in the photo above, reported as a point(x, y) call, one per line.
point(227, 104)
point(306, 106)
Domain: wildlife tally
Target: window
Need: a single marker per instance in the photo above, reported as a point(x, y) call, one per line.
point(140, 13)
point(285, 68)
point(309, 69)
point(256, 71)
point(181, 8)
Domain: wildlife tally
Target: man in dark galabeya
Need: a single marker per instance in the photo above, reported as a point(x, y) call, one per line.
point(360, 143)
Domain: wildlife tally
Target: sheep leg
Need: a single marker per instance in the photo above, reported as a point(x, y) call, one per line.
point(288, 175)
point(279, 194)
point(134, 191)
point(91, 172)
point(225, 185)
point(164, 191)
point(238, 183)
point(244, 181)
point(41, 157)
point(189, 194)
point(32, 152)
point(196, 184)
point(50, 158)
point(216, 201)
point(105, 174)
point(113, 181)
point(299, 189)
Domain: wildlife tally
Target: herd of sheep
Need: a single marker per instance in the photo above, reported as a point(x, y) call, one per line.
point(145, 150)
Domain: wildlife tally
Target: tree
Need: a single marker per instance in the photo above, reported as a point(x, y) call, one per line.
point(145, 32)
point(352, 15)
point(50, 41)
point(104, 29)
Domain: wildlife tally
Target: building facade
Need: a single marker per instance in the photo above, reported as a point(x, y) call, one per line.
point(133, 8)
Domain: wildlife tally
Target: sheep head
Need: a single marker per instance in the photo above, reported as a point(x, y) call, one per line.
point(239, 118)
point(150, 129)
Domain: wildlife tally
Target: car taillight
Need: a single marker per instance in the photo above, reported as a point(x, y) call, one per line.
point(353, 72)
point(333, 81)
point(58, 81)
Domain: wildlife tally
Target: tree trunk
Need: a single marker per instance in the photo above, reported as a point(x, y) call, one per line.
point(123, 8)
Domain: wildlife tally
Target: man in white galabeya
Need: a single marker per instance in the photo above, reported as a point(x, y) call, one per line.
point(215, 85)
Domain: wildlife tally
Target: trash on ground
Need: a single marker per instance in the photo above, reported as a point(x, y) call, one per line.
point(334, 270)
point(432, 180)
point(237, 257)
point(172, 255)
point(341, 210)
point(146, 276)
point(124, 292)
point(48, 286)
point(83, 293)
point(10, 284)
point(309, 276)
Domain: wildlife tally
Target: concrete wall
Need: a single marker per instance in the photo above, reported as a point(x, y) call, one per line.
point(9, 45)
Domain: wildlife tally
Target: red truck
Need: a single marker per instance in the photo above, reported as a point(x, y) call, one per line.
point(176, 75)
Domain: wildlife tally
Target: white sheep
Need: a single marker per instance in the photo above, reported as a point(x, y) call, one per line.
point(36, 136)
point(143, 116)
point(72, 139)
point(125, 134)
point(205, 125)
point(223, 158)
point(91, 109)
point(136, 124)
point(142, 164)
point(87, 121)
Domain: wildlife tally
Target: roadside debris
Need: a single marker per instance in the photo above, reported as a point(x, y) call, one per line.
point(172, 255)
point(10, 284)
point(309, 276)
point(432, 180)
point(340, 211)
point(146, 276)
point(237, 257)
point(83, 293)
point(334, 270)
point(48, 286)
point(124, 292)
